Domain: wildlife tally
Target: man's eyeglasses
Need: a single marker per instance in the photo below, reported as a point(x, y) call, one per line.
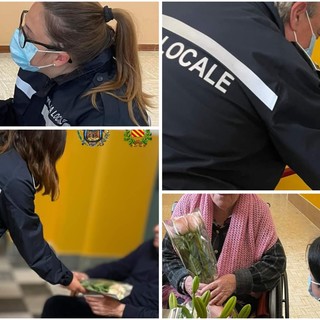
point(23, 39)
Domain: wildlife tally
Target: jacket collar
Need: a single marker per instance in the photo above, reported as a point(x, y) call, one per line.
point(94, 66)
point(306, 57)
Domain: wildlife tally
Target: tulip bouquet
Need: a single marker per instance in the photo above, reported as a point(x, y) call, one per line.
point(199, 306)
point(115, 289)
point(190, 240)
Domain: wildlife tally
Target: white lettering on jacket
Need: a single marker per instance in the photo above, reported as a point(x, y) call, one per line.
point(207, 71)
point(51, 116)
point(243, 72)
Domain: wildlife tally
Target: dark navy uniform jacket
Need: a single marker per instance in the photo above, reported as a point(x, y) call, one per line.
point(140, 268)
point(239, 100)
point(41, 101)
point(17, 216)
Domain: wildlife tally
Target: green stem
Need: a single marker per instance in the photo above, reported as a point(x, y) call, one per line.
point(193, 297)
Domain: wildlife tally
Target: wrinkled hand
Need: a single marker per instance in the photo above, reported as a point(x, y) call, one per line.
point(80, 275)
point(221, 289)
point(188, 285)
point(75, 287)
point(105, 306)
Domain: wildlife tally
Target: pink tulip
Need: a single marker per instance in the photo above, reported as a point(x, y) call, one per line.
point(180, 225)
point(194, 221)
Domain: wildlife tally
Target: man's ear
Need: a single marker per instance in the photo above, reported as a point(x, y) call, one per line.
point(62, 59)
point(298, 11)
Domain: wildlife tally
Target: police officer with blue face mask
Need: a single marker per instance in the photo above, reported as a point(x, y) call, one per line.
point(70, 73)
point(314, 288)
point(35, 55)
point(314, 266)
point(23, 50)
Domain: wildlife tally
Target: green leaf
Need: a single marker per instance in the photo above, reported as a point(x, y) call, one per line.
point(195, 284)
point(228, 307)
point(173, 303)
point(186, 312)
point(200, 307)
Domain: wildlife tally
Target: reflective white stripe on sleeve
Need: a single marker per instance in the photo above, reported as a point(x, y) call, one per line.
point(241, 71)
point(25, 87)
point(45, 113)
point(48, 121)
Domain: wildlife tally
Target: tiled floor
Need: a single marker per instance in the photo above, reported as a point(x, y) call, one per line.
point(150, 75)
point(22, 292)
point(295, 232)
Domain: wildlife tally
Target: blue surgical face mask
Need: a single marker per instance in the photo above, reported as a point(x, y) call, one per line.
point(313, 39)
point(23, 56)
point(310, 288)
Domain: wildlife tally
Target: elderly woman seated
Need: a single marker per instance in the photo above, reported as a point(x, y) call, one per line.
point(250, 257)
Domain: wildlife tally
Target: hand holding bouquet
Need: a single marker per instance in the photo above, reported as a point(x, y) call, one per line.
point(191, 242)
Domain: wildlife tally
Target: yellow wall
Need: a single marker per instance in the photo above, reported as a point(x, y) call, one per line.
point(313, 198)
point(105, 197)
point(146, 16)
point(316, 53)
point(293, 182)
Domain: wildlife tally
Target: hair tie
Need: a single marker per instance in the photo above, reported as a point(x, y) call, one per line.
point(108, 15)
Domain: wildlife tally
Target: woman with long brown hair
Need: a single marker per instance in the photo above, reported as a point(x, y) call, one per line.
point(75, 69)
point(28, 165)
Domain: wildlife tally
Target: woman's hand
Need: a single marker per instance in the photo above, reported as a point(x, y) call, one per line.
point(105, 306)
point(75, 286)
point(221, 289)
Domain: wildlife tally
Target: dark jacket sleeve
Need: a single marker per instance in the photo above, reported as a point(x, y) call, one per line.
point(173, 268)
point(25, 228)
point(293, 123)
point(264, 274)
point(117, 270)
point(7, 116)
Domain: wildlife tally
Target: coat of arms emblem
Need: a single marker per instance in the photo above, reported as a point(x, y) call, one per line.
point(138, 137)
point(93, 138)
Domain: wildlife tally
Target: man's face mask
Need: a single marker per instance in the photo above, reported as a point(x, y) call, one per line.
point(310, 281)
point(22, 55)
point(313, 39)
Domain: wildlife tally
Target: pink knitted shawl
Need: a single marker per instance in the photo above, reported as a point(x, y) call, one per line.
point(251, 231)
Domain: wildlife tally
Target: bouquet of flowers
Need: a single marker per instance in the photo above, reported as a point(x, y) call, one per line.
point(199, 306)
point(191, 242)
point(114, 289)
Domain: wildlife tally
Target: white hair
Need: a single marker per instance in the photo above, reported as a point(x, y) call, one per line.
point(284, 9)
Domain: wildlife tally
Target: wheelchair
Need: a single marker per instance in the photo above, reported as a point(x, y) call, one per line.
point(279, 299)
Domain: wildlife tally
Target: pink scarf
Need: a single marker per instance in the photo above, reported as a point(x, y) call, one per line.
point(251, 232)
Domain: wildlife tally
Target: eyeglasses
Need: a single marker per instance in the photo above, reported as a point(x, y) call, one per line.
point(23, 39)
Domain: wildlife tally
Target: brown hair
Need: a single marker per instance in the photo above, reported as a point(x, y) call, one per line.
point(81, 29)
point(41, 150)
